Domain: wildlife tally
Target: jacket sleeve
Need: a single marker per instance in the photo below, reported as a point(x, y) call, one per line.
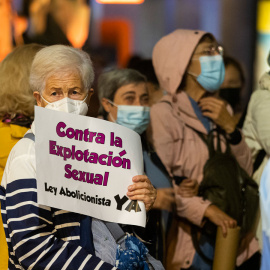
point(260, 111)
point(165, 138)
point(192, 208)
point(243, 154)
point(33, 236)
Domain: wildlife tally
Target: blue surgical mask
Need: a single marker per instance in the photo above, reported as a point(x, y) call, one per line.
point(212, 72)
point(136, 118)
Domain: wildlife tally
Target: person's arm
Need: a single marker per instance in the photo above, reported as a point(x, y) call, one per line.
point(33, 234)
point(217, 110)
point(241, 150)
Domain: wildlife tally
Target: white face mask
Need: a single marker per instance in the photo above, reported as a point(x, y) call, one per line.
point(68, 105)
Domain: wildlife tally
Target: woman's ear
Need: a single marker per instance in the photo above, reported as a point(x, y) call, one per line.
point(37, 96)
point(106, 105)
point(90, 93)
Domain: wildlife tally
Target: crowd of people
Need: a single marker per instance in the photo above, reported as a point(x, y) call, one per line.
point(175, 101)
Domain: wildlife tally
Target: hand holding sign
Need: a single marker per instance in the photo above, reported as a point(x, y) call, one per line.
point(142, 190)
point(92, 162)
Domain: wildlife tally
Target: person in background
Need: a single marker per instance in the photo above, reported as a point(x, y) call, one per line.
point(16, 112)
point(39, 236)
point(145, 67)
point(257, 130)
point(189, 66)
point(52, 22)
point(264, 204)
point(232, 86)
point(124, 97)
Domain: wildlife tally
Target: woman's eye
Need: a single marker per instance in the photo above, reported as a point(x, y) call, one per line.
point(129, 98)
point(208, 52)
point(75, 92)
point(145, 100)
point(53, 93)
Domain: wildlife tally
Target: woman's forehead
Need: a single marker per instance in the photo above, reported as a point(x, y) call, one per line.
point(136, 88)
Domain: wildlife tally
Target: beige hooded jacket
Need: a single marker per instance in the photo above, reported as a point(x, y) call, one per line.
point(181, 150)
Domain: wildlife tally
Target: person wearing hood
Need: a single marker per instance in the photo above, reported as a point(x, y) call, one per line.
point(257, 129)
point(189, 66)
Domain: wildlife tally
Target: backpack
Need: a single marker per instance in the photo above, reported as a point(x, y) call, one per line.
point(228, 186)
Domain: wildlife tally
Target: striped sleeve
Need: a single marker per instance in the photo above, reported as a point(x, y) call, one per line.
point(33, 237)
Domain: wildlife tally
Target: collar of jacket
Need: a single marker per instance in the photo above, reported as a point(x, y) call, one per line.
point(183, 109)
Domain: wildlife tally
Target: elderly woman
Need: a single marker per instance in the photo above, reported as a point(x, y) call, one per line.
point(124, 97)
point(189, 66)
point(39, 236)
point(16, 111)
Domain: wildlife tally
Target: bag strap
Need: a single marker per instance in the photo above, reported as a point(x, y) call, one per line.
point(30, 135)
point(259, 159)
point(209, 141)
point(117, 233)
point(195, 241)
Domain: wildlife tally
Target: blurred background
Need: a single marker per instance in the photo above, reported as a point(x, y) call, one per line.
point(117, 32)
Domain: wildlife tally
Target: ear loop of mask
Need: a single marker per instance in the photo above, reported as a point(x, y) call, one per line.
point(112, 103)
point(45, 99)
point(191, 73)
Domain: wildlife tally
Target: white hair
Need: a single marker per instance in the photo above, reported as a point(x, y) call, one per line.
point(60, 60)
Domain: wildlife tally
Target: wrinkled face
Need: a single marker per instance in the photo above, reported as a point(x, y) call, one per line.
point(58, 87)
point(232, 77)
point(130, 94)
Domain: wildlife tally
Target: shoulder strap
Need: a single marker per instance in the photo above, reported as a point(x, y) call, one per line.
point(195, 241)
point(29, 135)
point(117, 233)
point(259, 159)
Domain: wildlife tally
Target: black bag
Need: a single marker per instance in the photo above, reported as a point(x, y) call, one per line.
point(228, 186)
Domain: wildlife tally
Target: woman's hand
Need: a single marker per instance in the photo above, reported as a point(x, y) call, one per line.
point(165, 199)
point(142, 190)
point(216, 110)
point(188, 188)
point(219, 218)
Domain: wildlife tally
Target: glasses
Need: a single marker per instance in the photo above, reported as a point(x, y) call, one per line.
point(212, 51)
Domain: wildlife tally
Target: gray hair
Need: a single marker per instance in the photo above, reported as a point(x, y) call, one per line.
point(60, 60)
point(109, 82)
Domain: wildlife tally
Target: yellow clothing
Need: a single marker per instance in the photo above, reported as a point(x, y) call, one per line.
point(9, 136)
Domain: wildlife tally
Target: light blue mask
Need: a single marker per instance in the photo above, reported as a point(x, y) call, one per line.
point(136, 118)
point(212, 72)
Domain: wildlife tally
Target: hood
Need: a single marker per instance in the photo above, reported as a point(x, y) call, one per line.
point(265, 81)
point(171, 56)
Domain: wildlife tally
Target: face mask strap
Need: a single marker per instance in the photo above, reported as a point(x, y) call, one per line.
point(112, 103)
point(60, 99)
point(46, 100)
point(192, 74)
point(86, 97)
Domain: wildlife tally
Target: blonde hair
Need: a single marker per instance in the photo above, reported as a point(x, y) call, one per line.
point(15, 94)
